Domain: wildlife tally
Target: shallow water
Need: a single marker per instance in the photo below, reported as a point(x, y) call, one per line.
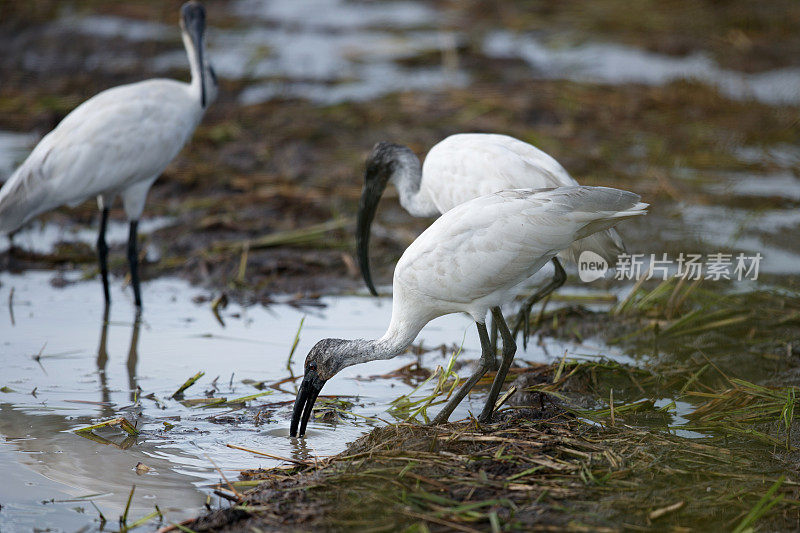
point(326, 51)
point(617, 64)
point(330, 51)
point(745, 231)
point(87, 372)
point(42, 237)
point(14, 147)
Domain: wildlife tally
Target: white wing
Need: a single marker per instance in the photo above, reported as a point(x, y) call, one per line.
point(112, 141)
point(468, 165)
point(478, 252)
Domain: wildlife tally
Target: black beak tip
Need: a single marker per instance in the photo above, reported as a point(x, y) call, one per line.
point(365, 273)
point(304, 404)
point(362, 249)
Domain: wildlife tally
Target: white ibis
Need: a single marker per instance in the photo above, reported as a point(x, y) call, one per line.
point(115, 144)
point(472, 259)
point(460, 168)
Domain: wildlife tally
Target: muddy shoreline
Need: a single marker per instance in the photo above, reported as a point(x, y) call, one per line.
point(544, 464)
point(579, 446)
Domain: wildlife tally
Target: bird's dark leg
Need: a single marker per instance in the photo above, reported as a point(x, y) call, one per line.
point(485, 364)
point(523, 318)
point(509, 349)
point(133, 263)
point(102, 254)
point(493, 341)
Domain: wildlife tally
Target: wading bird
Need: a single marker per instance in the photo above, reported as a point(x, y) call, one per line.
point(472, 259)
point(460, 168)
point(115, 144)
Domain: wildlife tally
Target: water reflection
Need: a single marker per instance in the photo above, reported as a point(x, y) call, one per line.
point(80, 380)
point(102, 359)
point(130, 364)
point(300, 450)
point(80, 467)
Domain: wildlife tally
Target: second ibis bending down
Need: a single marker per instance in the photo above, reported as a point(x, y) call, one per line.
point(472, 259)
point(115, 144)
point(460, 168)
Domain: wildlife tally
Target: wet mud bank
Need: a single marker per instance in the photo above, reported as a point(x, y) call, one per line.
point(546, 464)
point(696, 431)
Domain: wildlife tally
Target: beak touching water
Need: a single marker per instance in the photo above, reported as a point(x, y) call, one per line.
point(367, 206)
point(306, 396)
point(194, 21)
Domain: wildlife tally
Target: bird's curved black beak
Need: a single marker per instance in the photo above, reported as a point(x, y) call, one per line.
point(193, 16)
point(306, 396)
point(374, 185)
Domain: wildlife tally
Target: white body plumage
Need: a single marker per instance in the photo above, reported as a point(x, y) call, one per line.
point(472, 259)
point(116, 143)
point(458, 169)
point(478, 254)
point(468, 165)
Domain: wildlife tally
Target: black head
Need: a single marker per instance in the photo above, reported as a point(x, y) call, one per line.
point(323, 361)
point(193, 22)
point(381, 165)
point(193, 17)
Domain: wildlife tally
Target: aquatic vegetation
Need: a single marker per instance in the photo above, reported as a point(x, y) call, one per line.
point(188, 383)
point(596, 445)
point(407, 408)
point(527, 472)
point(744, 409)
point(122, 422)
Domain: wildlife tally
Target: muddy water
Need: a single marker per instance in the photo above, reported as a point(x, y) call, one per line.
point(616, 64)
point(42, 237)
point(66, 367)
point(326, 51)
point(330, 51)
